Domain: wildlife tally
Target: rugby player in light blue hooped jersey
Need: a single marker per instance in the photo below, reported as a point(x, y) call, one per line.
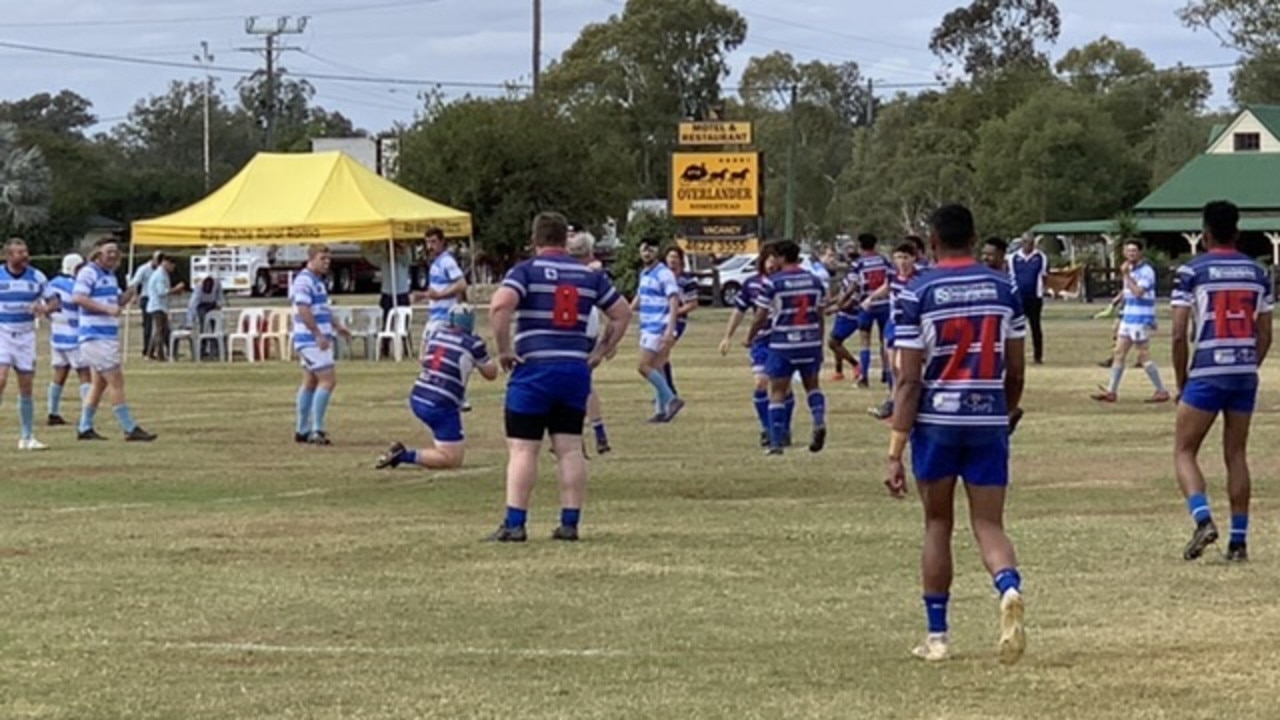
point(657, 302)
point(550, 297)
point(449, 355)
point(313, 333)
point(99, 299)
point(24, 295)
point(64, 340)
point(960, 335)
point(1137, 322)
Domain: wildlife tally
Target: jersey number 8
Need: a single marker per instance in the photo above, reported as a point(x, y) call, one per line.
point(565, 312)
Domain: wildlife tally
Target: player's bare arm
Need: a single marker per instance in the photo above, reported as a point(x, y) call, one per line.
point(1015, 376)
point(906, 402)
point(619, 316)
point(1264, 336)
point(735, 319)
point(1181, 345)
point(502, 309)
point(757, 326)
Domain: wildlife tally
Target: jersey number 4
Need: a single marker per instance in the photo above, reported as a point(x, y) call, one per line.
point(962, 332)
point(1233, 314)
point(565, 312)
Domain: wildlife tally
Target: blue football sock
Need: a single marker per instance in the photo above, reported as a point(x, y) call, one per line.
point(777, 423)
point(305, 399)
point(662, 391)
point(55, 399)
point(27, 415)
point(1198, 506)
point(791, 411)
point(409, 457)
point(86, 418)
point(761, 401)
point(818, 407)
point(85, 389)
point(671, 383)
point(516, 517)
point(319, 407)
point(935, 610)
point(598, 427)
point(864, 358)
point(569, 516)
point(1008, 579)
point(1239, 528)
point(125, 418)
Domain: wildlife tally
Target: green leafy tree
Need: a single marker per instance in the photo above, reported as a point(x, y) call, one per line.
point(990, 35)
point(1252, 26)
point(1256, 79)
point(25, 181)
point(640, 72)
point(297, 119)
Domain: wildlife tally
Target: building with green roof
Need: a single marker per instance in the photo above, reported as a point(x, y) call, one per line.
point(1240, 164)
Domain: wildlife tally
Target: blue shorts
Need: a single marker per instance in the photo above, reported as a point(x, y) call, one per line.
point(1224, 395)
point(759, 353)
point(539, 388)
point(445, 422)
point(980, 457)
point(890, 332)
point(876, 316)
point(780, 366)
point(844, 327)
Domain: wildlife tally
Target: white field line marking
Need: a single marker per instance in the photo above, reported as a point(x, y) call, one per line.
point(428, 476)
point(402, 651)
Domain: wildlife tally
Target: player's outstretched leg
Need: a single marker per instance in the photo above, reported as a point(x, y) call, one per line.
point(986, 513)
point(1190, 428)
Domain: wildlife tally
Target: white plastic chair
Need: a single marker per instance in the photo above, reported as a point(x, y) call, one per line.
point(279, 331)
point(396, 332)
point(249, 334)
point(179, 334)
point(214, 331)
point(341, 316)
point(366, 325)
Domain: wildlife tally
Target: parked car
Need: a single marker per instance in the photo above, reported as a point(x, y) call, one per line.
point(734, 273)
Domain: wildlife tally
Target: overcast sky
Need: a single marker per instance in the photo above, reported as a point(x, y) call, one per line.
point(488, 41)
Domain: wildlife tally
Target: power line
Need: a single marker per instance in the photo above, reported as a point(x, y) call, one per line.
point(210, 18)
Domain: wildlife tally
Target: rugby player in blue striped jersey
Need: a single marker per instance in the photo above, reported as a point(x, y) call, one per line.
point(550, 298)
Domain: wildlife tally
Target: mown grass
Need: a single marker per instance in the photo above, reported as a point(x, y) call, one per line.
point(224, 572)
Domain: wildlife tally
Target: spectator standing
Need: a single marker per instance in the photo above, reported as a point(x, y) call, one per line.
point(1029, 266)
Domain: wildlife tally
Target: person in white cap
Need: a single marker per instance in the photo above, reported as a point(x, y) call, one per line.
point(64, 341)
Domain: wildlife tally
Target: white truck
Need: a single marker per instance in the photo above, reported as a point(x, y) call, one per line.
point(266, 269)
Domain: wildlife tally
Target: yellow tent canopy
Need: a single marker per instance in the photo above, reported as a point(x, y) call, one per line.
point(281, 199)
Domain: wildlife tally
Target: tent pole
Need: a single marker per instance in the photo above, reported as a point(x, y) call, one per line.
point(391, 253)
point(124, 313)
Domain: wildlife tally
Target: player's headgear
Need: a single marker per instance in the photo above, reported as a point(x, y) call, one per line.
point(463, 317)
point(71, 263)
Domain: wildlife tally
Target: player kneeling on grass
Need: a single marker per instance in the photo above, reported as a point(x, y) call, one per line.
point(449, 354)
point(960, 334)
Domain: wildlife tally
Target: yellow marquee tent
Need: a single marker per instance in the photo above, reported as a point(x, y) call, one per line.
point(279, 199)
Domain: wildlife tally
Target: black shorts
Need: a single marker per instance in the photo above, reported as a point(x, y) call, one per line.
point(561, 420)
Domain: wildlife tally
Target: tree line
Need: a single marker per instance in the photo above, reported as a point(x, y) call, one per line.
point(1020, 137)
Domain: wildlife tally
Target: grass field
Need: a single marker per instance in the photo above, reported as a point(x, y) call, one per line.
point(224, 572)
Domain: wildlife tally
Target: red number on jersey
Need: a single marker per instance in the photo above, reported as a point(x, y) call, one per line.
point(565, 312)
point(1233, 314)
point(960, 331)
point(437, 358)
point(803, 306)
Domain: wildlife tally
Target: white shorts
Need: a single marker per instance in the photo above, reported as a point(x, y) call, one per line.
point(650, 342)
point(1139, 333)
point(68, 359)
point(18, 351)
point(313, 359)
point(101, 355)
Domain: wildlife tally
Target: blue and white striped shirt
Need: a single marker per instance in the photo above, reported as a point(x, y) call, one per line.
point(1227, 291)
point(557, 293)
point(308, 289)
point(18, 296)
point(793, 296)
point(99, 285)
point(959, 315)
point(65, 321)
point(445, 271)
point(872, 272)
point(657, 286)
point(448, 357)
point(1028, 272)
point(745, 303)
point(1141, 310)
